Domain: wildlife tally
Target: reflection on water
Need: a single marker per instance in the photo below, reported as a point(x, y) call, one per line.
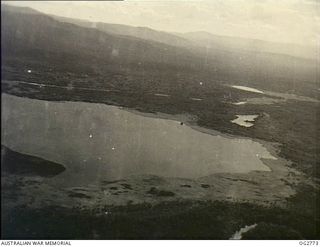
point(249, 89)
point(275, 96)
point(240, 103)
point(96, 141)
point(238, 234)
point(245, 120)
point(162, 95)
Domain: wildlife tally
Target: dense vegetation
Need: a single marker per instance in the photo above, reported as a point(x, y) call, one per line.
point(170, 220)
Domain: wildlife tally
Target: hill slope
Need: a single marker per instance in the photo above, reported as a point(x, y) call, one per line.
point(29, 37)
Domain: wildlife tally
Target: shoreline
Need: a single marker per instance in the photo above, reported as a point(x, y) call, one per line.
point(228, 183)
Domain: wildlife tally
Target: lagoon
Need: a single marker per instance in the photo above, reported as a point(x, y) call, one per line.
point(98, 142)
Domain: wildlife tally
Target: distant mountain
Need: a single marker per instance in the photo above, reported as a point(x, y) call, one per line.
point(41, 35)
point(22, 10)
point(29, 36)
point(200, 39)
point(246, 59)
point(242, 44)
point(137, 32)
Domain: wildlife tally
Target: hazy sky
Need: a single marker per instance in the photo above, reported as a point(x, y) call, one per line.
point(289, 21)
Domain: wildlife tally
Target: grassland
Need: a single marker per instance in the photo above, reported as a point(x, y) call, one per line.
point(168, 220)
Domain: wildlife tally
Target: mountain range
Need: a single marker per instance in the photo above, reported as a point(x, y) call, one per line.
point(29, 36)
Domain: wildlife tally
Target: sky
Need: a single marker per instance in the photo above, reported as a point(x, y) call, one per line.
point(286, 21)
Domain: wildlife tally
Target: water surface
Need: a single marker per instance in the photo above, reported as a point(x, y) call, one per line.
point(275, 96)
point(240, 103)
point(97, 142)
point(238, 234)
point(249, 89)
point(245, 120)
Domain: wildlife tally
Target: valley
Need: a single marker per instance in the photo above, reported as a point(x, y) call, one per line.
point(145, 131)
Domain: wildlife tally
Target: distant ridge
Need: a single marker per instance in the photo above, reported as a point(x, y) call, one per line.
point(32, 37)
point(126, 30)
point(203, 38)
point(200, 38)
point(23, 10)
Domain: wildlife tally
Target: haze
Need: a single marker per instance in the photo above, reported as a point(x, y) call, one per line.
point(286, 21)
